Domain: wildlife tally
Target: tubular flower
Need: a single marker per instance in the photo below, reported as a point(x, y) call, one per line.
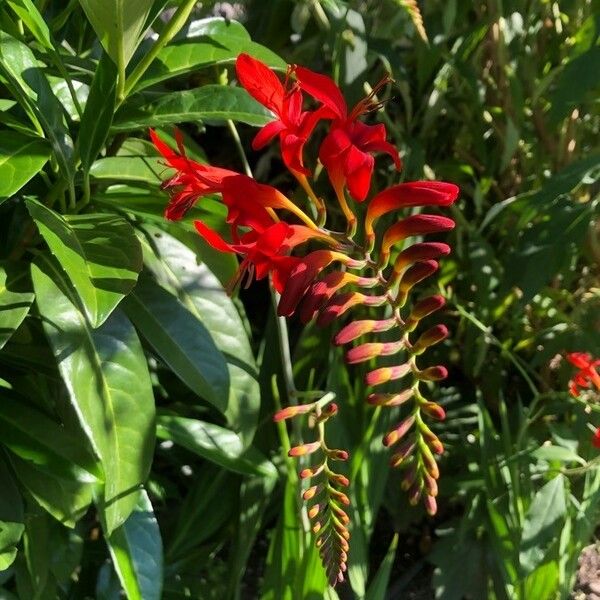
point(346, 150)
point(326, 275)
point(293, 125)
point(587, 374)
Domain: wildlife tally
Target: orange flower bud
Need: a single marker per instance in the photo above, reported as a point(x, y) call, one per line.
point(339, 479)
point(430, 484)
point(422, 309)
point(437, 373)
point(292, 411)
point(314, 510)
point(311, 492)
point(409, 477)
point(398, 433)
point(307, 473)
point(337, 454)
point(432, 336)
point(385, 374)
point(371, 350)
point(435, 411)
point(304, 449)
point(404, 451)
point(357, 328)
point(390, 399)
point(414, 493)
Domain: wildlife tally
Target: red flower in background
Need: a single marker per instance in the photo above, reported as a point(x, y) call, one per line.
point(596, 439)
point(346, 149)
point(587, 374)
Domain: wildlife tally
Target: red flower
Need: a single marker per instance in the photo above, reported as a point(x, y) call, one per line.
point(192, 179)
point(265, 251)
point(596, 438)
point(293, 125)
point(587, 374)
point(345, 151)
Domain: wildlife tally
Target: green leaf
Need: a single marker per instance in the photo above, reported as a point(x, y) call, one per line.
point(27, 79)
point(21, 157)
point(11, 517)
point(208, 42)
point(15, 299)
point(558, 453)
point(98, 114)
point(118, 24)
point(215, 443)
point(216, 102)
point(100, 254)
point(30, 15)
point(180, 340)
point(137, 553)
point(543, 522)
point(542, 584)
point(123, 169)
point(30, 434)
point(377, 588)
point(109, 387)
point(175, 267)
point(67, 500)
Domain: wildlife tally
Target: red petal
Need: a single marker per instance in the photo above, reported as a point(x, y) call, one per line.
point(260, 82)
point(404, 195)
point(358, 170)
point(323, 89)
point(266, 134)
point(596, 439)
point(212, 237)
point(415, 225)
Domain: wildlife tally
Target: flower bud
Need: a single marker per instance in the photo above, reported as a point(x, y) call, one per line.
point(422, 309)
point(398, 433)
point(404, 452)
point(390, 399)
point(409, 477)
point(292, 411)
point(316, 527)
point(385, 374)
point(430, 505)
point(429, 461)
point(414, 493)
point(433, 410)
point(307, 473)
point(337, 454)
point(310, 492)
point(371, 350)
point(339, 479)
point(432, 440)
point(432, 336)
point(357, 328)
point(431, 486)
point(314, 510)
point(304, 449)
point(341, 515)
point(419, 252)
point(437, 373)
point(340, 496)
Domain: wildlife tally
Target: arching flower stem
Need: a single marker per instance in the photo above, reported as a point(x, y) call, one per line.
point(317, 202)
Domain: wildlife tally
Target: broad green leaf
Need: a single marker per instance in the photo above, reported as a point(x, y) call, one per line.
point(208, 42)
point(543, 522)
point(50, 446)
point(15, 299)
point(215, 443)
point(180, 340)
point(543, 582)
point(124, 169)
point(137, 553)
point(175, 267)
point(21, 157)
point(118, 24)
point(377, 588)
point(214, 102)
point(11, 517)
point(100, 254)
point(20, 67)
point(98, 114)
point(67, 500)
point(109, 386)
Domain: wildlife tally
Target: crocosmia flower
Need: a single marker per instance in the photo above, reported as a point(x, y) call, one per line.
point(587, 376)
point(331, 267)
point(596, 439)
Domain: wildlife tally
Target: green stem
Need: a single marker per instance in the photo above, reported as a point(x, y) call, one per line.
point(284, 347)
point(240, 148)
point(166, 35)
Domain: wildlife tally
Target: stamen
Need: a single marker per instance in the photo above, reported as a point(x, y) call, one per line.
point(367, 104)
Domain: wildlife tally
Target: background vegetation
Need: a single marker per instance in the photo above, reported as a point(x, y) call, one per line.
point(137, 450)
